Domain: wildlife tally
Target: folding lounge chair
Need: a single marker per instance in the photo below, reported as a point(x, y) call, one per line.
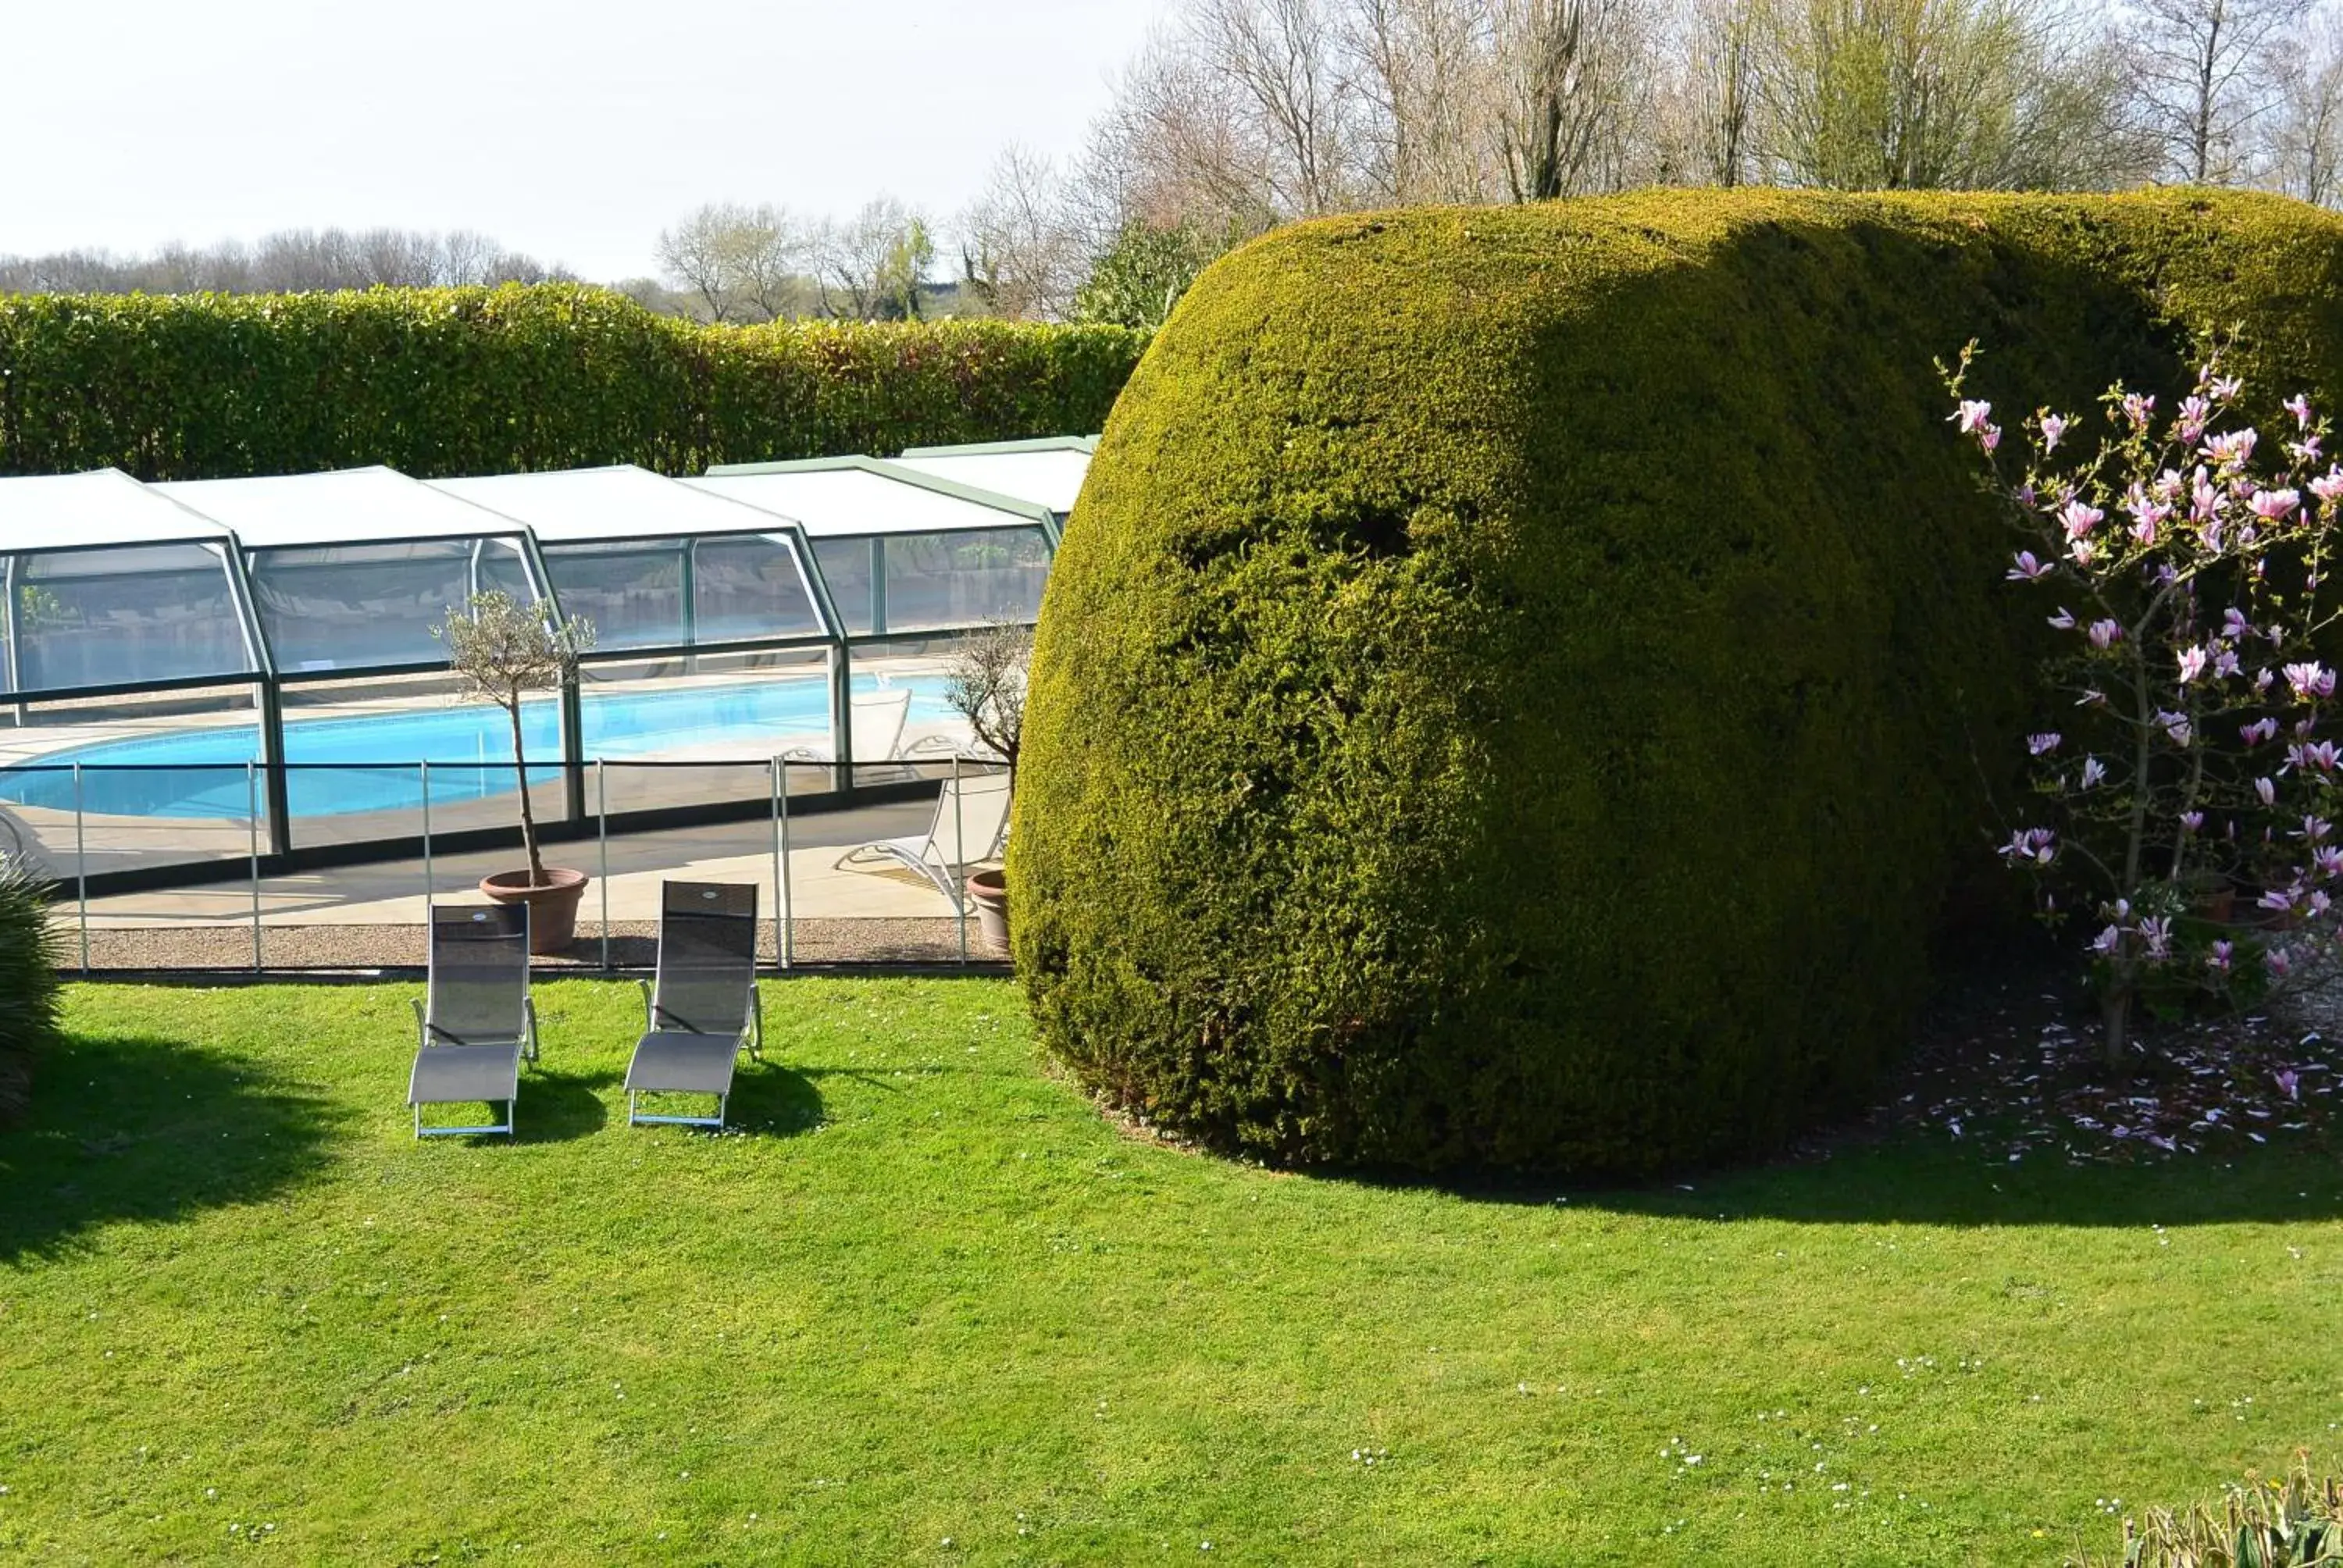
point(705, 1007)
point(878, 718)
point(972, 820)
point(476, 1021)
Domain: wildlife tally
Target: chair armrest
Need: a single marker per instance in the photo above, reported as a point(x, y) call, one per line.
point(422, 1030)
point(650, 1013)
point(529, 1010)
point(756, 1022)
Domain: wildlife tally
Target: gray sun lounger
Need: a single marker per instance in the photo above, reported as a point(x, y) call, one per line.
point(477, 1020)
point(971, 823)
point(704, 1007)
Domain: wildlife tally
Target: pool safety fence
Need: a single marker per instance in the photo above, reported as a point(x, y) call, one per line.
point(874, 878)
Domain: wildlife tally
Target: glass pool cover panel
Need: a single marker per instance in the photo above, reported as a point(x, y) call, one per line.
point(124, 616)
point(743, 589)
point(360, 606)
point(957, 579)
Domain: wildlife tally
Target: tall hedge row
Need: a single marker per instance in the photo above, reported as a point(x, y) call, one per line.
point(478, 380)
point(1520, 686)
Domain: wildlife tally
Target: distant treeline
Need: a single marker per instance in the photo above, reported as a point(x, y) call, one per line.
point(291, 261)
point(486, 381)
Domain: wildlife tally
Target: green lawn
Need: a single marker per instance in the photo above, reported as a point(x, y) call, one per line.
point(927, 1306)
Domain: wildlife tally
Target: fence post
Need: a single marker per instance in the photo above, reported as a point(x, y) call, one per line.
point(252, 817)
point(430, 895)
point(957, 870)
point(781, 896)
point(81, 871)
point(788, 894)
point(602, 834)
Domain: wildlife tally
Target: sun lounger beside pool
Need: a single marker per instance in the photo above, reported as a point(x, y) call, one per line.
point(703, 1008)
point(477, 1019)
point(972, 819)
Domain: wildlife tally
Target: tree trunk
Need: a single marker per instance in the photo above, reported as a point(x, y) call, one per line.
point(2114, 1013)
point(527, 817)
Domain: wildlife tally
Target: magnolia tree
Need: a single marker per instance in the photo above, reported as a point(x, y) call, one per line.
point(2184, 558)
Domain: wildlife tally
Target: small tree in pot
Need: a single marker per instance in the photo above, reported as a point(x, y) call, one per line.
point(503, 650)
point(985, 684)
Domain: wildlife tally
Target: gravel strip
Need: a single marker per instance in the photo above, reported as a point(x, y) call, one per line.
point(634, 945)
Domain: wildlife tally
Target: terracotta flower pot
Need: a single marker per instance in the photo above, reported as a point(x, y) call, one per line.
point(552, 904)
point(989, 892)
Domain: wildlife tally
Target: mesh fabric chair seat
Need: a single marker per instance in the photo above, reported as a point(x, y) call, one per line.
point(703, 1008)
point(971, 823)
point(476, 1022)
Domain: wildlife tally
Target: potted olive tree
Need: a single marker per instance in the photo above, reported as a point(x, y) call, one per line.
point(985, 684)
point(503, 650)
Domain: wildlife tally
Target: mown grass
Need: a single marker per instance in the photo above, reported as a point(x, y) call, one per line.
point(928, 1296)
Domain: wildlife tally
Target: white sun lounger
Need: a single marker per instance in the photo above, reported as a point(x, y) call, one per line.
point(971, 823)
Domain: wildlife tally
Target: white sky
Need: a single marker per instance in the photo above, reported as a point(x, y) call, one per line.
point(574, 130)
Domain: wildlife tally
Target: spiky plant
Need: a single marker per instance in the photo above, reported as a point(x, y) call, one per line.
point(2297, 1522)
point(28, 980)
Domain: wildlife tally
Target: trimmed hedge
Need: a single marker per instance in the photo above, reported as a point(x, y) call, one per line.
point(1518, 687)
point(480, 380)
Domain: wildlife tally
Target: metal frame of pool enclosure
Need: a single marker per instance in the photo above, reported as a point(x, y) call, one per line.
point(280, 614)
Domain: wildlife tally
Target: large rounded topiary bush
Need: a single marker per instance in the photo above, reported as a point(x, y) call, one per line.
point(1520, 685)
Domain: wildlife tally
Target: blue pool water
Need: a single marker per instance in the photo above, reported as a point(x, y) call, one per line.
point(201, 772)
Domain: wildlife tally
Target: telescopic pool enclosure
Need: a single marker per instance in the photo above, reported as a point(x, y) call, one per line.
point(200, 672)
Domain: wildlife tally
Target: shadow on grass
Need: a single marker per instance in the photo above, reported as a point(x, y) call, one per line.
point(145, 1128)
point(556, 1106)
point(1914, 1180)
point(768, 1098)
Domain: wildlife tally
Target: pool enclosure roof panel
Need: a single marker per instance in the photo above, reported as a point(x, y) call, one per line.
point(1048, 477)
point(345, 507)
point(578, 506)
point(96, 510)
point(851, 498)
point(1033, 444)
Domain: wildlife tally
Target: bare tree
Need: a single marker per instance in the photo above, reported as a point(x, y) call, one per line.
point(872, 266)
point(1020, 250)
point(290, 261)
point(2305, 142)
point(2208, 77)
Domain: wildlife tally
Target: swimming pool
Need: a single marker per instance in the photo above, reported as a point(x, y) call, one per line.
point(201, 772)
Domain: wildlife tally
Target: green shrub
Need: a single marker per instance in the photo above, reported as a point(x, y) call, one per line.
point(29, 980)
point(478, 380)
point(1521, 685)
point(2297, 1522)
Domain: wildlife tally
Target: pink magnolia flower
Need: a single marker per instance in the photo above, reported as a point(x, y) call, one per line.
point(2290, 1083)
point(2053, 428)
point(2108, 940)
point(2106, 634)
point(2225, 665)
point(2328, 860)
point(2204, 499)
point(1990, 436)
point(2309, 449)
point(2064, 621)
point(2262, 680)
point(2321, 755)
point(2225, 388)
point(2218, 957)
point(2279, 899)
point(2027, 568)
point(2314, 829)
point(1971, 414)
point(2191, 821)
point(2137, 408)
point(2328, 485)
point(2177, 726)
point(2259, 731)
point(2278, 961)
point(2035, 745)
point(2234, 623)
point(2083, 552)
point(2270, 505)
point(2094, 770)
point(2310, 681)
point(2039, 846)
point(2156, 932)
point(2192, 664)
point(2267, 790)
point(2299, 407)
point(2232, 448)
point(2092, 698)
point(2079, 518)
point(2194, 412)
